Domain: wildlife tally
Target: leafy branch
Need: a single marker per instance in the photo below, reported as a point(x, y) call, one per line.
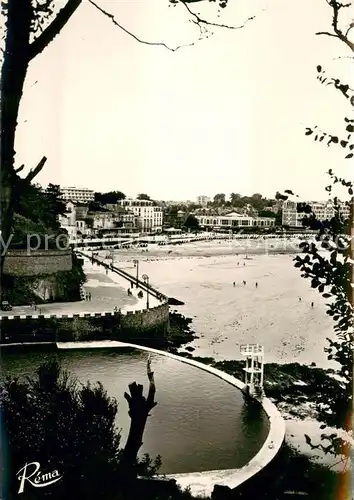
point(348, 93)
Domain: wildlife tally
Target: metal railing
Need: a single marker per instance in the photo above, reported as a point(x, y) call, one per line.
point(128, 277)
point(247, 349)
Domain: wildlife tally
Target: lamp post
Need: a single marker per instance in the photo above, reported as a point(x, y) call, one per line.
point(136, 264)
point(146, 280)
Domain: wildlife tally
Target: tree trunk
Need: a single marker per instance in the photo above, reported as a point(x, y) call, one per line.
point(13, 74)
point(139, 408)
point(351, 255)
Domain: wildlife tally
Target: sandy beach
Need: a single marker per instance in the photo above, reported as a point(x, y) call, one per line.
point(226, 316)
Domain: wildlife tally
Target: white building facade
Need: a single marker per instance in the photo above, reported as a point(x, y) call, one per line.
point(68, 220)
point(323, 210)
point(233, 221)
point(149, 216)
point(75, 194)
point(203, 200)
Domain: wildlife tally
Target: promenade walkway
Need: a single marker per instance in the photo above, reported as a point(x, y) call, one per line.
point(107, 292)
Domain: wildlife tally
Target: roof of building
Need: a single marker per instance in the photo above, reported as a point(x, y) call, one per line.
point(233, 214)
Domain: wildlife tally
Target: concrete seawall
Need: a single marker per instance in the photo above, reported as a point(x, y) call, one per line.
point(141, 326)
point(202, 483)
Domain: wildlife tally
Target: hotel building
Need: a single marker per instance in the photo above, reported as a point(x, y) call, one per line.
point(323, 210)
point(149, 215)
point(233, 221)
point(75, 194)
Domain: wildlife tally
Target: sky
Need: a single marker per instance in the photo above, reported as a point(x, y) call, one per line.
point(227, 114)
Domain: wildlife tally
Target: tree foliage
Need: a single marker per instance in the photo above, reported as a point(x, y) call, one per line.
point(110, 198)
point(69, 427)
point(328, 264)
point(42, 206)
point(191, 223)
point(143, 196)
point(219, 199)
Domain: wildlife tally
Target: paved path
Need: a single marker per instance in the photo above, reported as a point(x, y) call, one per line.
point(107, 292)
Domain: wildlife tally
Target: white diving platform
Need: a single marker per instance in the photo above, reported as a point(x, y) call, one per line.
point(254, 369)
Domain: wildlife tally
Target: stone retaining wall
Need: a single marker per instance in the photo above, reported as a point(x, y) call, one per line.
point(37, 262)
point(148, 325)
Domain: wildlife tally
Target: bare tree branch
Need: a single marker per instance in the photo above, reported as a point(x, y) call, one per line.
point(326, 33)
point(54, 28)
point(350, 27)
point(338, 33)
point(199, 20)
point(152, 387)
point(19, 169)
point(186, 1)
point(32, 173)
point(161, 44)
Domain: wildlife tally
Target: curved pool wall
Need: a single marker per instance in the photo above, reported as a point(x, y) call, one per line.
point(202, 483)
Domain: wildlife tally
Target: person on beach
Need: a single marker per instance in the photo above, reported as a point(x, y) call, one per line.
point(299, 299)
point(244, 263)
point(256, 285)
point(244, 282)
point(312, 304)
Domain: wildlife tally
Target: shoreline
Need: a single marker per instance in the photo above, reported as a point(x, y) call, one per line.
point(205, 249)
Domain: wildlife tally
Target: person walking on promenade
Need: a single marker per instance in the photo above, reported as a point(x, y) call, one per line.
point(89, 297)
point(256, 285)
point(234, 283)
point(244, 263)
point(244, 282)
point(312, 304)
